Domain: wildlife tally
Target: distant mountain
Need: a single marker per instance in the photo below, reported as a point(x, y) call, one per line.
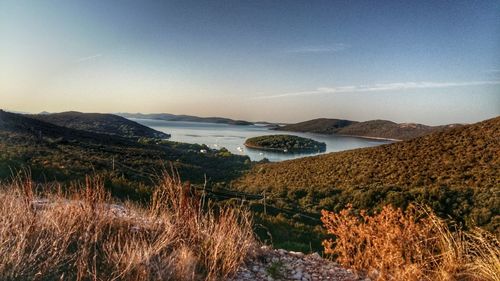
point(390, 130)
point(371, 129)
point(101, 123)
point(21, 128)
point(187, 118)
point(317, 126)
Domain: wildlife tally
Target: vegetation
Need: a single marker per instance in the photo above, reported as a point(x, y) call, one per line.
point(390, 130)
point(285, 143)
point(102, 124)
point(64, 154)
point(455, 172)
point(411, 245)
point(84, 235)
point(373, 128)
point(318, 126)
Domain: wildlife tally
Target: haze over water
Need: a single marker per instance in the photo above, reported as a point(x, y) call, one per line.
point(233, 138)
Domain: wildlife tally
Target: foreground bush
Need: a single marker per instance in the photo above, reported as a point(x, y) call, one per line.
point(411, 245)
point(83, 236)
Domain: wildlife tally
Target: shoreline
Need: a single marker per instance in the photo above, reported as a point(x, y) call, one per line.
point(342, 135)
point(367, 137)
point(277, 150)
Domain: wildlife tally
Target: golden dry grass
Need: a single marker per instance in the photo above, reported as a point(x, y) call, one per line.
point(83, 236)
point(411, 245)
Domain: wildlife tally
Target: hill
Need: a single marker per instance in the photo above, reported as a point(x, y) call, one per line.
point(456, 172)
point(186, 118)
point(58, 153)
point(101, 123)
point(467, 155)
point(318, 126)
point(390, 130)
point(371, 129)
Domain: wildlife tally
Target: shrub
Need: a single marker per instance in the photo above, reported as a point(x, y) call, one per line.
point(411, 245)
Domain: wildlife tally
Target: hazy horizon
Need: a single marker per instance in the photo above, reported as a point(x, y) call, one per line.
point(425, 62)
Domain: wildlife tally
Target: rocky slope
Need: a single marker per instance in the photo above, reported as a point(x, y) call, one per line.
point(270, 264)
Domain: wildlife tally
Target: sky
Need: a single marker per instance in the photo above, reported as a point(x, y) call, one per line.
point(431, 62)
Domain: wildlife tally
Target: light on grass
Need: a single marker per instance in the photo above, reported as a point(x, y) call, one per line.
point(82, 235)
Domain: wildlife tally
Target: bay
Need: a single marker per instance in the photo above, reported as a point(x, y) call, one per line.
point(233, 137)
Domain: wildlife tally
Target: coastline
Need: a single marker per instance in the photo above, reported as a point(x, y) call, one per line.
point(343, 135)
point(263, 148)
point(276, 149)
point(368, 137)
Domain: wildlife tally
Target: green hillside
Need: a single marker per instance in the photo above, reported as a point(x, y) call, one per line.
point(101, 123)
point(318, 126)
point(456, 172)
point(53, 152)
point(467, 155)
point(372, 129)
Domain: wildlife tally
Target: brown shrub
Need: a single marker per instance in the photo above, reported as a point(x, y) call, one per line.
point(411, 245)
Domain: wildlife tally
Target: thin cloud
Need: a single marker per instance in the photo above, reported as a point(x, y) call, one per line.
point(319, 49)
point(493, 70)
point(82, 59)
point(381, 87)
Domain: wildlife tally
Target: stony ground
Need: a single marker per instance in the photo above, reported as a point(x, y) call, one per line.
point(269, 264)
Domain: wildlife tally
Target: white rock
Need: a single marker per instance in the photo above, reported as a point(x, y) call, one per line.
point(315, 256)
point(297, 254)
point(297, 275)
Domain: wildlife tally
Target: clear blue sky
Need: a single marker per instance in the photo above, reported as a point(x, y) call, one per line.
point(431, 62)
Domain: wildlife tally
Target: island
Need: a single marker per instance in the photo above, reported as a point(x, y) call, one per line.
point(285, 144)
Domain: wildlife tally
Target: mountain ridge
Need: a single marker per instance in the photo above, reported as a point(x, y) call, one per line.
point(101, 123)
point(377, 129)
point(187, 118)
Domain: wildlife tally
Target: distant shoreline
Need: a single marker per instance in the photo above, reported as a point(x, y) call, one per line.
point(341, 135)
point(262, 148)
point(368, 137)
point(278, 150)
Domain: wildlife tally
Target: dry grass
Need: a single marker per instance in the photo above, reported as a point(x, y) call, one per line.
point(411, 245)
point(83, 236)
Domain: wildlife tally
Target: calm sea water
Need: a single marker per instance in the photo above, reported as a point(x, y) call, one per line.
point(232, 137)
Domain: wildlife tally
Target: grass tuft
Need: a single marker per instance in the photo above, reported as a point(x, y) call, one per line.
point(84, 235)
